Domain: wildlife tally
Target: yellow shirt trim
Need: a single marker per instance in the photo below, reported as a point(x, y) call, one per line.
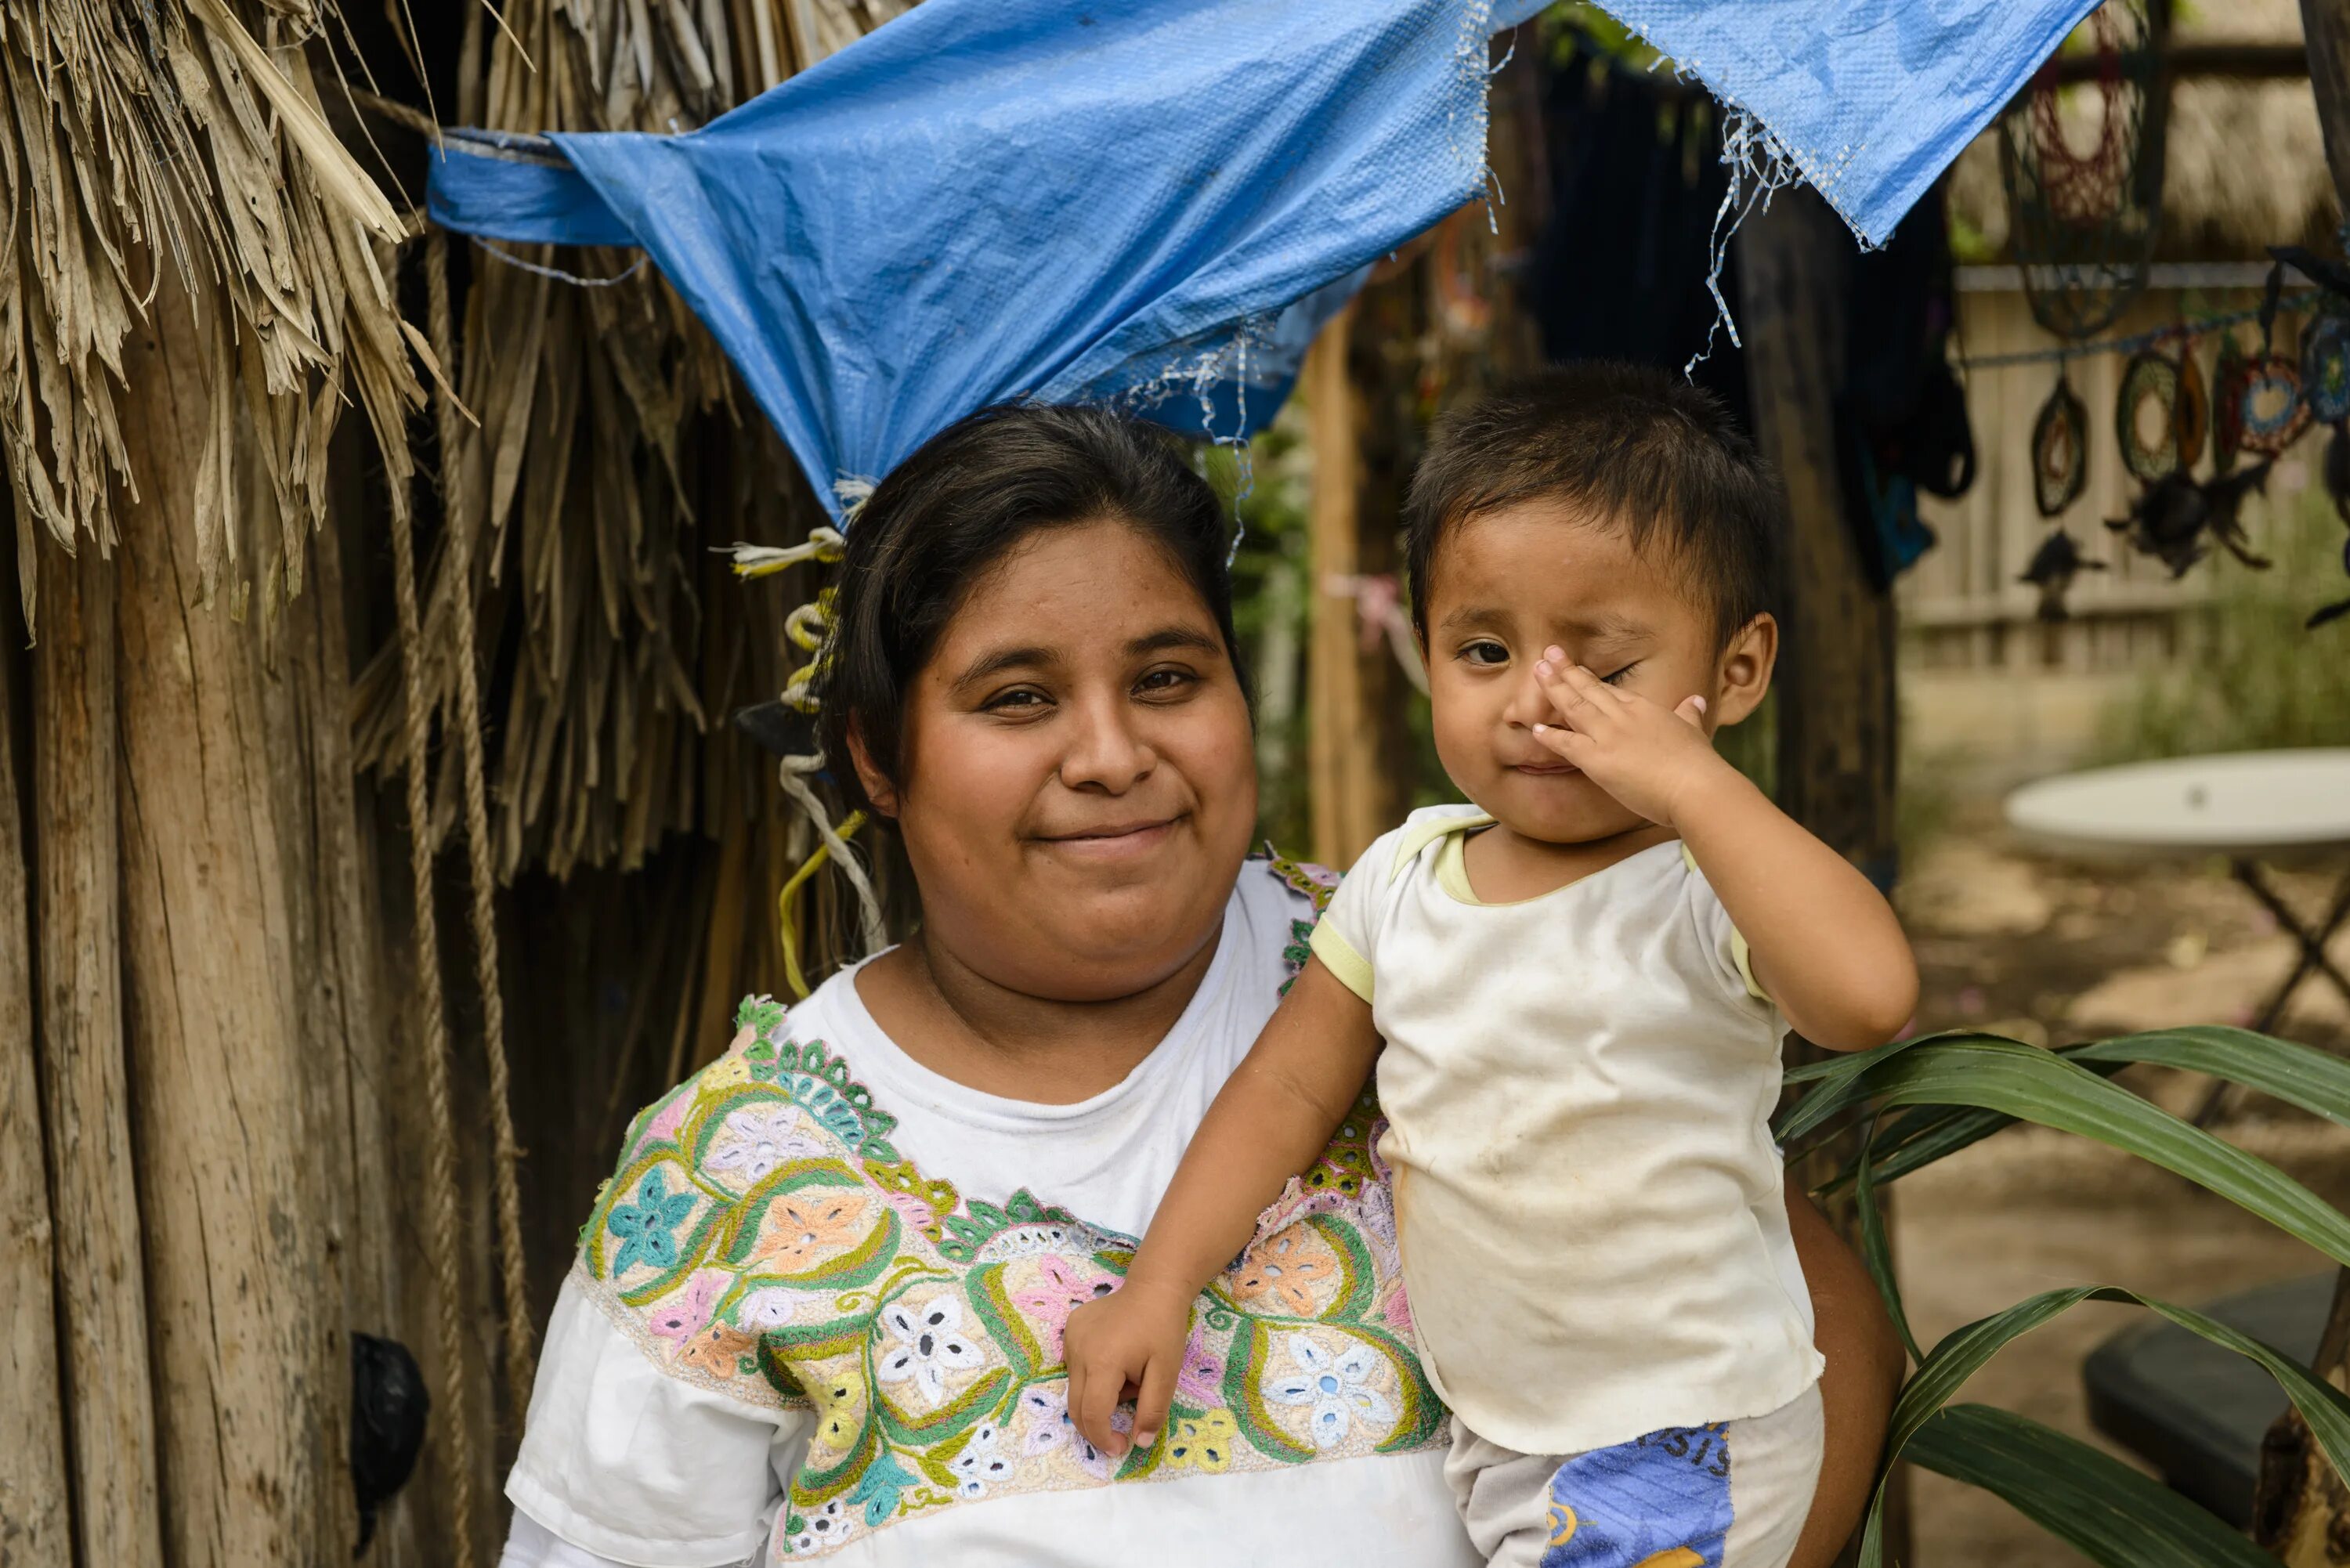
point(1738, 952)
point(1419, 835)
point(1337, 956)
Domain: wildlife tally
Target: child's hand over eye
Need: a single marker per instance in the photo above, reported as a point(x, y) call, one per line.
point(1647, 756)
point(1128, 1346)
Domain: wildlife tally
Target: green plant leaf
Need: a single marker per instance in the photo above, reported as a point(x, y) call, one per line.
point(1875, 1249)
point(1990, 1073)
point(2297, 1075)
point(1964, 1351)
point(2104, 1510)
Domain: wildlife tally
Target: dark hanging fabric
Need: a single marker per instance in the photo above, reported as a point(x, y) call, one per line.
point(1637, 178)
point(1620, 273)
point(1901, 418)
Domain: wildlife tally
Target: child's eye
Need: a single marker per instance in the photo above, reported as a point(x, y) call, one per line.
point(1618, 678)
point(1486, 652)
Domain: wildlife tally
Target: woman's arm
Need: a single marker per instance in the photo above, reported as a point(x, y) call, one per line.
point(1271, 1118)
point(1865, 1366)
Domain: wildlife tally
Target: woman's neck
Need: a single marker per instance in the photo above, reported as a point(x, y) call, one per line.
point(964, 1026)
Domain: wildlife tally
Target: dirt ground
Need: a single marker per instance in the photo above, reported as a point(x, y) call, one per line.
point(2052, 950)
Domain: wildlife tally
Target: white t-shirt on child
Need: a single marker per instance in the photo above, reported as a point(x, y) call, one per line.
point(1579, 1086)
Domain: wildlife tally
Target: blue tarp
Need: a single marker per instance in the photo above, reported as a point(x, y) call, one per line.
point(1159, 200)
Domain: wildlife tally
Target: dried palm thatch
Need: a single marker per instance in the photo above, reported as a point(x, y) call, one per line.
point(167, 135)
point(613, 455)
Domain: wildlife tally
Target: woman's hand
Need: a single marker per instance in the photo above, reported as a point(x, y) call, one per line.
point(1128, 1346)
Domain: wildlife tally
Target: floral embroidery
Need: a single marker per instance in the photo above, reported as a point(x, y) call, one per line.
point(1202, 1371)
point(929, 1343)
point(1050, 1430)
point(647, 1227)
point(1286, 1266)
point(1206, 1442)
point(1065, 1288)
point(979, 1463)
point(1318, 883)
point(757, 1138)
point(1336, 1385)
point(799, 1229)
point(763, 1238)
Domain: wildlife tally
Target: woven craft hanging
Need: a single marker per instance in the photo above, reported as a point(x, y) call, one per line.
point(2082, 163)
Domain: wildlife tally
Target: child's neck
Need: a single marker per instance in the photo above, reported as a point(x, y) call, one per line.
point(1505, 867)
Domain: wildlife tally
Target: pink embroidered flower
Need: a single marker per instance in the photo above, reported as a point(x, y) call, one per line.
point(744, 1038)
point(1200, 1381)
point(1062, 1288)
point(918, 1214)
point(1287, 1267)
point(667, 1119)
point(682, 1315)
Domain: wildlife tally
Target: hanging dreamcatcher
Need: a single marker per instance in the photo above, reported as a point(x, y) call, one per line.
point(2060, 449)
point(2082, 165)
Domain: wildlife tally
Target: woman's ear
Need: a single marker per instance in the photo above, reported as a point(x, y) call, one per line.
point(870, 778)
point(1743, 675)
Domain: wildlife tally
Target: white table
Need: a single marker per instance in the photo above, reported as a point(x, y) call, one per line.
point(2254, 808)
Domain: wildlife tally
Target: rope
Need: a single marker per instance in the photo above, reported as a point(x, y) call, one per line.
point(2200, 326)
point(505, 1156)
point(441, 1142)
point(787, 903)
point(793, 774)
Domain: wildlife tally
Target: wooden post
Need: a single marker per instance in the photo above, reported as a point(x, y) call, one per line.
point(253, 1396)
point(2301, 1511)
point(1341, 745)
point(35, 1529)
point(101, 1277)
point(1835, 686)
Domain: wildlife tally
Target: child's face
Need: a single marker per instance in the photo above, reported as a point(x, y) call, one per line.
point(1510, 583)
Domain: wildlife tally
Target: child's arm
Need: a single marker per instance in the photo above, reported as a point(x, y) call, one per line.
point(1274, 1115)
point(1824, 943)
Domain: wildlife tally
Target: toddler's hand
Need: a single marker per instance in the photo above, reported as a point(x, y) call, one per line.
point(1643, 754)
point(1129, 1345)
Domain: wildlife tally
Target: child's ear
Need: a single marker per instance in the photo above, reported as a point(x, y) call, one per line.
point(870, 778)
point(1745, 672)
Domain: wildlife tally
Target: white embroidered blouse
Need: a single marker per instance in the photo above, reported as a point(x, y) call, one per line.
point(818, 1314)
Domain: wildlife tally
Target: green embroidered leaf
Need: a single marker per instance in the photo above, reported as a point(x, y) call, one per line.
point(1357, 1279)
point(1244, 1368)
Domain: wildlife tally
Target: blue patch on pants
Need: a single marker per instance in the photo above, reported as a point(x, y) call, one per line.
point(1657, 1501)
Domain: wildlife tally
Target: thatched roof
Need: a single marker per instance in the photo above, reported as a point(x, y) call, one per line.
point(2244, 165)
point(161, 145)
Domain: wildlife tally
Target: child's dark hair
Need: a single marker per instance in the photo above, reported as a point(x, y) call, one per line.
point(1631, 446)
point(954, 508)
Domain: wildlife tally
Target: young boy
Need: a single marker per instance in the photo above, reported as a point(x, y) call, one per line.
point(1580, 982)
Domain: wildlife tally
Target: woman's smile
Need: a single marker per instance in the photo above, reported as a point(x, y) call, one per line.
point(1125, 840)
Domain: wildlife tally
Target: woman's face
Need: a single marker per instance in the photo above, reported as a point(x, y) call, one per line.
point(1078, 787)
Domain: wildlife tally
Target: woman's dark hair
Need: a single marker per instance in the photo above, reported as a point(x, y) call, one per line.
point(952, 509)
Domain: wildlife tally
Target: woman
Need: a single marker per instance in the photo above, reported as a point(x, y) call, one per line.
point(818, 1309)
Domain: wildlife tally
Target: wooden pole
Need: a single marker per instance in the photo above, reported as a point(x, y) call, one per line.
point(1341, 745)
point(35, 1520)
point(253, 1396)
point(1834, 685)
point(2301, 1511)
point(100, 1270)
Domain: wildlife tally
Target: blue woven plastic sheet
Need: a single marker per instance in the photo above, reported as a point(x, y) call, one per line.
point(1157, 200)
